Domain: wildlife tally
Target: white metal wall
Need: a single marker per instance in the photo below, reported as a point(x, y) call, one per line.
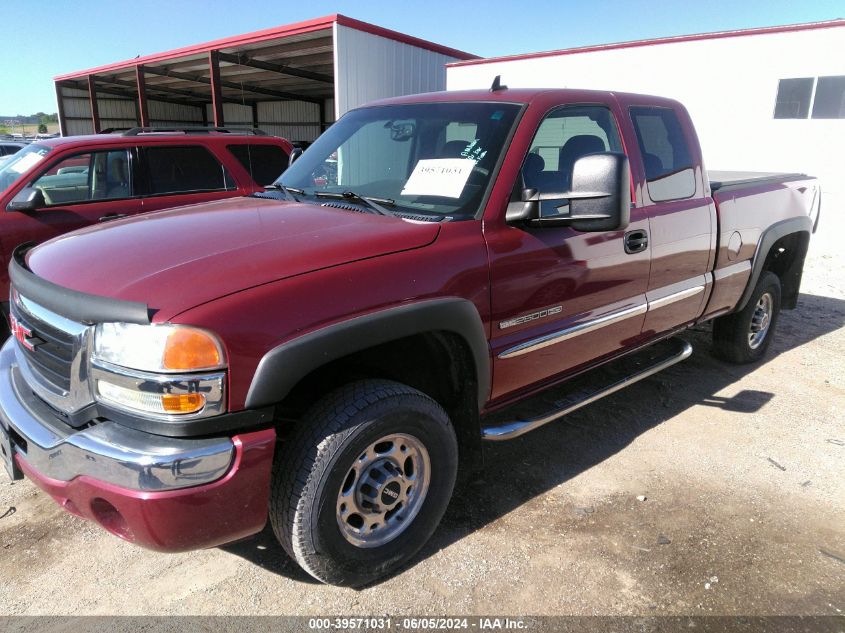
point(164, 113)
point(234, 114)
point(293, 120)
point(121, 113)
point(729, 86)
point(116, 112)
point(77, 110)
point(369, 67)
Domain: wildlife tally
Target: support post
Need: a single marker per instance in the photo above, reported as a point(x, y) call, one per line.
point(216, 89)
point(60, 105)
point(95, 107)
point(143, 110)
point(255, 114)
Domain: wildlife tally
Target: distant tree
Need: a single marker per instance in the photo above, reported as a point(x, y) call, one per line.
point(42, 129)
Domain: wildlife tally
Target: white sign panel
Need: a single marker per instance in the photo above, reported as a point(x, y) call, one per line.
point(443, 177)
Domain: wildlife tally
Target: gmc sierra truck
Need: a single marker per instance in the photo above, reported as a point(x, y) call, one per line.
point(325, 353)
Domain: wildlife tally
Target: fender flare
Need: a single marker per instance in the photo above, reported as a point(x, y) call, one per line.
point(281, 368)
point(801, 224)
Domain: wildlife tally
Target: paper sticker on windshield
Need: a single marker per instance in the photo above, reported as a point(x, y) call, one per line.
point(443, 177)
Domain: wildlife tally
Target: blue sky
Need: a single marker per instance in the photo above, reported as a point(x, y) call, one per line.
point(52, 37)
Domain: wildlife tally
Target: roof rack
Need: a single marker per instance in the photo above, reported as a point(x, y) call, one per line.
point(135, 131)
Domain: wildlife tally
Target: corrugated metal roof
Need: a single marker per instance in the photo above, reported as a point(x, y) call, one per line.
point(265, 39)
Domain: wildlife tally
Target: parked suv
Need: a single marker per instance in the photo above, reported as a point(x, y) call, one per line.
point(57, 185)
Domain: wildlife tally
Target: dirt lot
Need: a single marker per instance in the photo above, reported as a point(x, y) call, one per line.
point(744, 512)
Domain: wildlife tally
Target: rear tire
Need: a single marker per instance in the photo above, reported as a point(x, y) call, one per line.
point(744, 336)
point(364, 481)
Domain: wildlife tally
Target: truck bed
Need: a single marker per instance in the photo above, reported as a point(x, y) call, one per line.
point(725, 179)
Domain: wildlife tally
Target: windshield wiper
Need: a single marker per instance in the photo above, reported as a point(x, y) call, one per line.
point(288, 191)
point(372, 203)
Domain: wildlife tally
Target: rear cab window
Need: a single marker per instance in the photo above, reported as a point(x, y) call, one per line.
point(264, 163)
point(665, 152)
point(173, 169)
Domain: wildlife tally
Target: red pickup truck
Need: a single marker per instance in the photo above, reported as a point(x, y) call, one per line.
point(326, 353)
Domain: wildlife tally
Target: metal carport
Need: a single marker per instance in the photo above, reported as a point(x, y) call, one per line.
point(291, 81)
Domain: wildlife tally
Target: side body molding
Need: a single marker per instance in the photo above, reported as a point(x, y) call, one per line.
point(801, 224)
point(284, 366)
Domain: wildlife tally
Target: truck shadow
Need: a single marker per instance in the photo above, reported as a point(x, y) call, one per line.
point(551, 455)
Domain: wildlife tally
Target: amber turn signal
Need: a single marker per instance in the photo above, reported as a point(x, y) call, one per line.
point(182, 403)
point(189, 350)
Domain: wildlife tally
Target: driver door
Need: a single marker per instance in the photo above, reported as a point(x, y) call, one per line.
point(563, 298)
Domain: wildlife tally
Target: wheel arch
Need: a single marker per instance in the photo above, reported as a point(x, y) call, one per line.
point(782, 249)
point(286, 365)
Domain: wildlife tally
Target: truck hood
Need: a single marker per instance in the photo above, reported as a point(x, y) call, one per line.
point(177, 259)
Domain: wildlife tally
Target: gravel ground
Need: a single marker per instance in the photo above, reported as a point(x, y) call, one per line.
point(707, 489)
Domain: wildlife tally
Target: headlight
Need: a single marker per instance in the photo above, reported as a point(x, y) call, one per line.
point(157, 348)
point(153, 370)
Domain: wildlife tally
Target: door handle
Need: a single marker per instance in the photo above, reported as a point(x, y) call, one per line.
point(636, 241)
point(112, 216)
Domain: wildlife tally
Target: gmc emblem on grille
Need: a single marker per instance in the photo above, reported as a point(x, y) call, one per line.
point(21, 333)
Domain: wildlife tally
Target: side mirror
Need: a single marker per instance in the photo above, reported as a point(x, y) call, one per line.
point(27, 199)
point(295, 153)
point(599, 199)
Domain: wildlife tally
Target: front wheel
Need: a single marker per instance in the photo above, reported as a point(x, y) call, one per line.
point(744, 336)
point(364, 482)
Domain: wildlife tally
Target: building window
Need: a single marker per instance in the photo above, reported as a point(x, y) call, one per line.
point(830, 98)
point(793, 100)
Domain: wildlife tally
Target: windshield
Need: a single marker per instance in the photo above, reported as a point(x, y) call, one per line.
point(20, 162)
point(426, 158)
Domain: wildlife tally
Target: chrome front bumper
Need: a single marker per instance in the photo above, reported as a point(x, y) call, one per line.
point(107, 452)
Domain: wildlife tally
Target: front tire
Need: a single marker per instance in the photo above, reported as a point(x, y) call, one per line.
point(744, 336)
point(364, 481)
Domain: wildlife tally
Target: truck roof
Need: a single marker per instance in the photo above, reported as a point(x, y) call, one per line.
point(521, 95)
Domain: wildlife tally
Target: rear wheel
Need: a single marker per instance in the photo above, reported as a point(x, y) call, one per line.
point(364, 482)
point(744, 337)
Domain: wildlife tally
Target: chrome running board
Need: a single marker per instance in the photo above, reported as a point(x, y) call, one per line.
point(585, 389)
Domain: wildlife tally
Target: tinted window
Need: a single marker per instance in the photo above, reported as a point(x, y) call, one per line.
point(793, 99)
point(830, 98)
point(87, 177)
point(185, 169)
point(264, 163)
point(666, 155)
point(564, 136)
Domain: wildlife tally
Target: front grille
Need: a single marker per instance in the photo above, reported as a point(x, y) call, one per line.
point(53, 351)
